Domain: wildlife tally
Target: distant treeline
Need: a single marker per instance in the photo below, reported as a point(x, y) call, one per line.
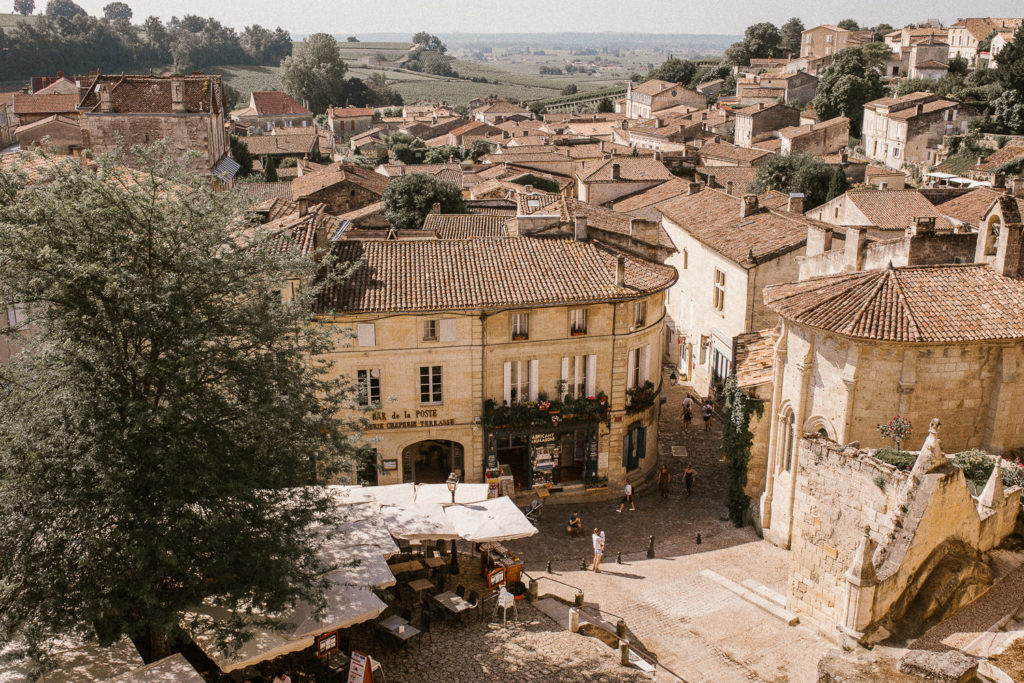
point(81, 44)
point(675, 42)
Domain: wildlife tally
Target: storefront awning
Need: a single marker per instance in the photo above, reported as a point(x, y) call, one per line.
point(420, 522)
point(497, 519)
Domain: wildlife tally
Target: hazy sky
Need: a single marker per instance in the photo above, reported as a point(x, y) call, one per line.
point(525, 16)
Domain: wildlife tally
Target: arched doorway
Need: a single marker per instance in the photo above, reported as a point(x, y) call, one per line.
point(432, 460)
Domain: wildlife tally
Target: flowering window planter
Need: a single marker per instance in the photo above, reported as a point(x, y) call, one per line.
point(640, 398)
point(547, 414)
point(578, 333)
point(520, 337)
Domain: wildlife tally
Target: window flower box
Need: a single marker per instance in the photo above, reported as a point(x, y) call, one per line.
point(520, 337)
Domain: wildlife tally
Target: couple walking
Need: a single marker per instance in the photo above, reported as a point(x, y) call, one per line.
point(706, 411)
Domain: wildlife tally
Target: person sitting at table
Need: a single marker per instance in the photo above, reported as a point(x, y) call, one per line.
point(575, 524)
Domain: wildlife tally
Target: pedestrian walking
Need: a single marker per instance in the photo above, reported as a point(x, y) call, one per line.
point(627, 498)
point(598, 539)
point(687, 413)
point(707, 415)
point(689, 474)
point(664, 478)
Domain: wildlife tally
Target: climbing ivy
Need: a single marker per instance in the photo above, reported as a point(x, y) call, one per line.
point(737, 439)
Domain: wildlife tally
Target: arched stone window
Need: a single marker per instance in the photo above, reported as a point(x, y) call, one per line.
point(991, 236)
point(787, 438)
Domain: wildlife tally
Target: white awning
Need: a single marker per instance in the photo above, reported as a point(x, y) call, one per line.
point(392, 494)
point(359, 565)
point(173, 669)
point(77, 661)
point(497, 519)
point(938, 174)
point(439, 493)
point(420, 522)
point(347, 605)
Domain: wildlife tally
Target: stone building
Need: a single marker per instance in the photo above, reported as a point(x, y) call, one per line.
point(341, 187)
point(796, 88)
point(896, 328)
point(760, 121)
point(929, 60)
point(818, 139)
point(646, 99)
point(999, 41)
point(459, 344)
point(826, 40)
point(966, 34)
point(272, 109)
point(727, 249)
point(882, 213)
point(188, 111)
point(349, 121)
point(910, 129)
point(606, 180)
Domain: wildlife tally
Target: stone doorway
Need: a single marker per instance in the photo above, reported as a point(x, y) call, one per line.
point(432, 460)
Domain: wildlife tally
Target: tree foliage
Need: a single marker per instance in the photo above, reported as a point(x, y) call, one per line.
point(409, 198)
point(240, 153)
point(316, 72)
point(795, 173)
point(737, 439)
point(846, 86)
point(849, 24)
point(429, 41)
point(441, 155)
point(605, 106)
point(64, 8)
point(673, 70)
point(24, 7)
point(270, 169)
point(791, 35)
point(117, 11)
point(406, 148)
point(1008, 111)
point(762, 40)
point(1010, 63)
point(167, 421)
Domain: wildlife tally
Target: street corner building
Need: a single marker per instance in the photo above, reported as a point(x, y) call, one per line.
point(526, 357)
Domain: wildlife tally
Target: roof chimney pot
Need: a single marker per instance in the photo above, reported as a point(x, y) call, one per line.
point(616, 171)
point(620, 270)
point(796, 202)
point(748, 207)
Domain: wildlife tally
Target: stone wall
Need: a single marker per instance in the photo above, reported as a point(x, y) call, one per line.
point(344, 197)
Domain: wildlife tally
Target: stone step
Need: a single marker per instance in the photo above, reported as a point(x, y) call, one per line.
point(557, 610)
point(750, 596)
point(766, 592)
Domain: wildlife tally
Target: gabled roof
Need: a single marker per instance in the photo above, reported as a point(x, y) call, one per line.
point(655, 87)
point(340, 172)
point(276, 103)
point(641, 200)
point(461, 274)
point(998, 158)
point(979, 27)
point(741, 176)
point(152, 94)
point(44, 104)
point(465, 226)
point(349, 112)
point(755, 357)
point(730, 152)
point(260, 145)
point(972, 206)
point(631, 169)
point(895, 209)
point(946, 303)
point(42, 123)
point(713, 217)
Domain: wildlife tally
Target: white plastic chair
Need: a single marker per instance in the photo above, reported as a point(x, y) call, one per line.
point(505, 601)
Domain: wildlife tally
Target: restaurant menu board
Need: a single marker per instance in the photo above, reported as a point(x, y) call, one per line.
point(326, 643)
point(496, 578)
point(359, 669)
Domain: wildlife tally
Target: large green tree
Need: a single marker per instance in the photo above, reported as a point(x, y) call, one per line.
point(64, 8)
point(117, 10)
point(796, 173)
point(791, 34)
point(168, 419)
point(409, 198)
point(1010, 63)
point(316, 72)
point(24, 7)
point(673, 70)
point(762, 40)
point(846, 86)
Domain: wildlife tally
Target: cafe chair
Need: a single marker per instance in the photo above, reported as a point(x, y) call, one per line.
point(460, 590)
point(506, 602)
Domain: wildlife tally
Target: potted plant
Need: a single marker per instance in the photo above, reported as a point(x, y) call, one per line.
point(898, 429)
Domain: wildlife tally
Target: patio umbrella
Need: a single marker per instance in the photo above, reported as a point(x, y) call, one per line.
point(497, 519)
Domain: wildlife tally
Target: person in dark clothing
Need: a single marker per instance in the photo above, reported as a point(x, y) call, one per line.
point(707, 415)
point(575, 524)
point(664, 478)
point(689, 474)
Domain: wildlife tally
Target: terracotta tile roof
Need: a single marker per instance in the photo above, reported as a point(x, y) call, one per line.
point(729, 152)
point(755, 357)
point(872, 171)
point(368, 210)
point(741, 176)
point(465, 226)
point(798, 131)
point(895, 209)
point(654, 87)
point(605, 219)
point(525, 157)
point(947, 303)
point(276, 103)
point(349, 112)
point(368, 133)
point(998, 158)
point(631, 169)
point(972, 206)
point(339, 172)
point(713, 217)
point(429, 275)
point(757, 109)
point(44, 104)
point(528, 204)
point(54, 118)
point(152, 94)
point(769, 145)
point(642, 200)
point(264, 192)
point(260, 145)
point(502, 107)
point(470, 127)
point(931, 64)
point(979, 28)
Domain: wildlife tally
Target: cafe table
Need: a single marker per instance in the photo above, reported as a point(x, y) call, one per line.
point(398, 627)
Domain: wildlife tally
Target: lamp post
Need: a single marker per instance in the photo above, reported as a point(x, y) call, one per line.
point(453, 483)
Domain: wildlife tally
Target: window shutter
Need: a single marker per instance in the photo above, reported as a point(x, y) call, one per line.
point(507, 391)
point(591, 375)
point(447, 331)
point(565, 377)
point(534, 377)
point(630, 368)
point(641, 442)
point(645, 363)
point(366, 334)
point(625, 450)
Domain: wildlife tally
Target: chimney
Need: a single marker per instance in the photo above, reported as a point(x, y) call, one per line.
point(658, 122)
point(717, 138)
point(435, 207)
point(760, 106)
point(922, 225)
point(728, 186)
point(883, 185)
point(625, 124)
point(303, 203)
point(643, 230)
point(711, 180)
point(1009, 252)
point(748, 207)
point(620, 269)
point(796, 202)
point(1017, 187)
point(616, 172)
point(177, 95)
point(105, 105)
point(819, 240)
point(693, 188)
point(580, 230)
point(999, 180)
point(853, 249)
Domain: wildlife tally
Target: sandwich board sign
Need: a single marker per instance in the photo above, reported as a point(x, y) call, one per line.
point(360, 670)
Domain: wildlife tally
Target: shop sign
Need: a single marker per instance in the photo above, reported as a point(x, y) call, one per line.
point(496, 578)
point(326, 643)
point(359, 670)
point(404, 419)
point(390, 464)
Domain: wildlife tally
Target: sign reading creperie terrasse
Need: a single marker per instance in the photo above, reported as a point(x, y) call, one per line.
point(380, 419)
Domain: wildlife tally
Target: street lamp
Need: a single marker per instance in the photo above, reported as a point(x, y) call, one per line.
point(453, 483)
